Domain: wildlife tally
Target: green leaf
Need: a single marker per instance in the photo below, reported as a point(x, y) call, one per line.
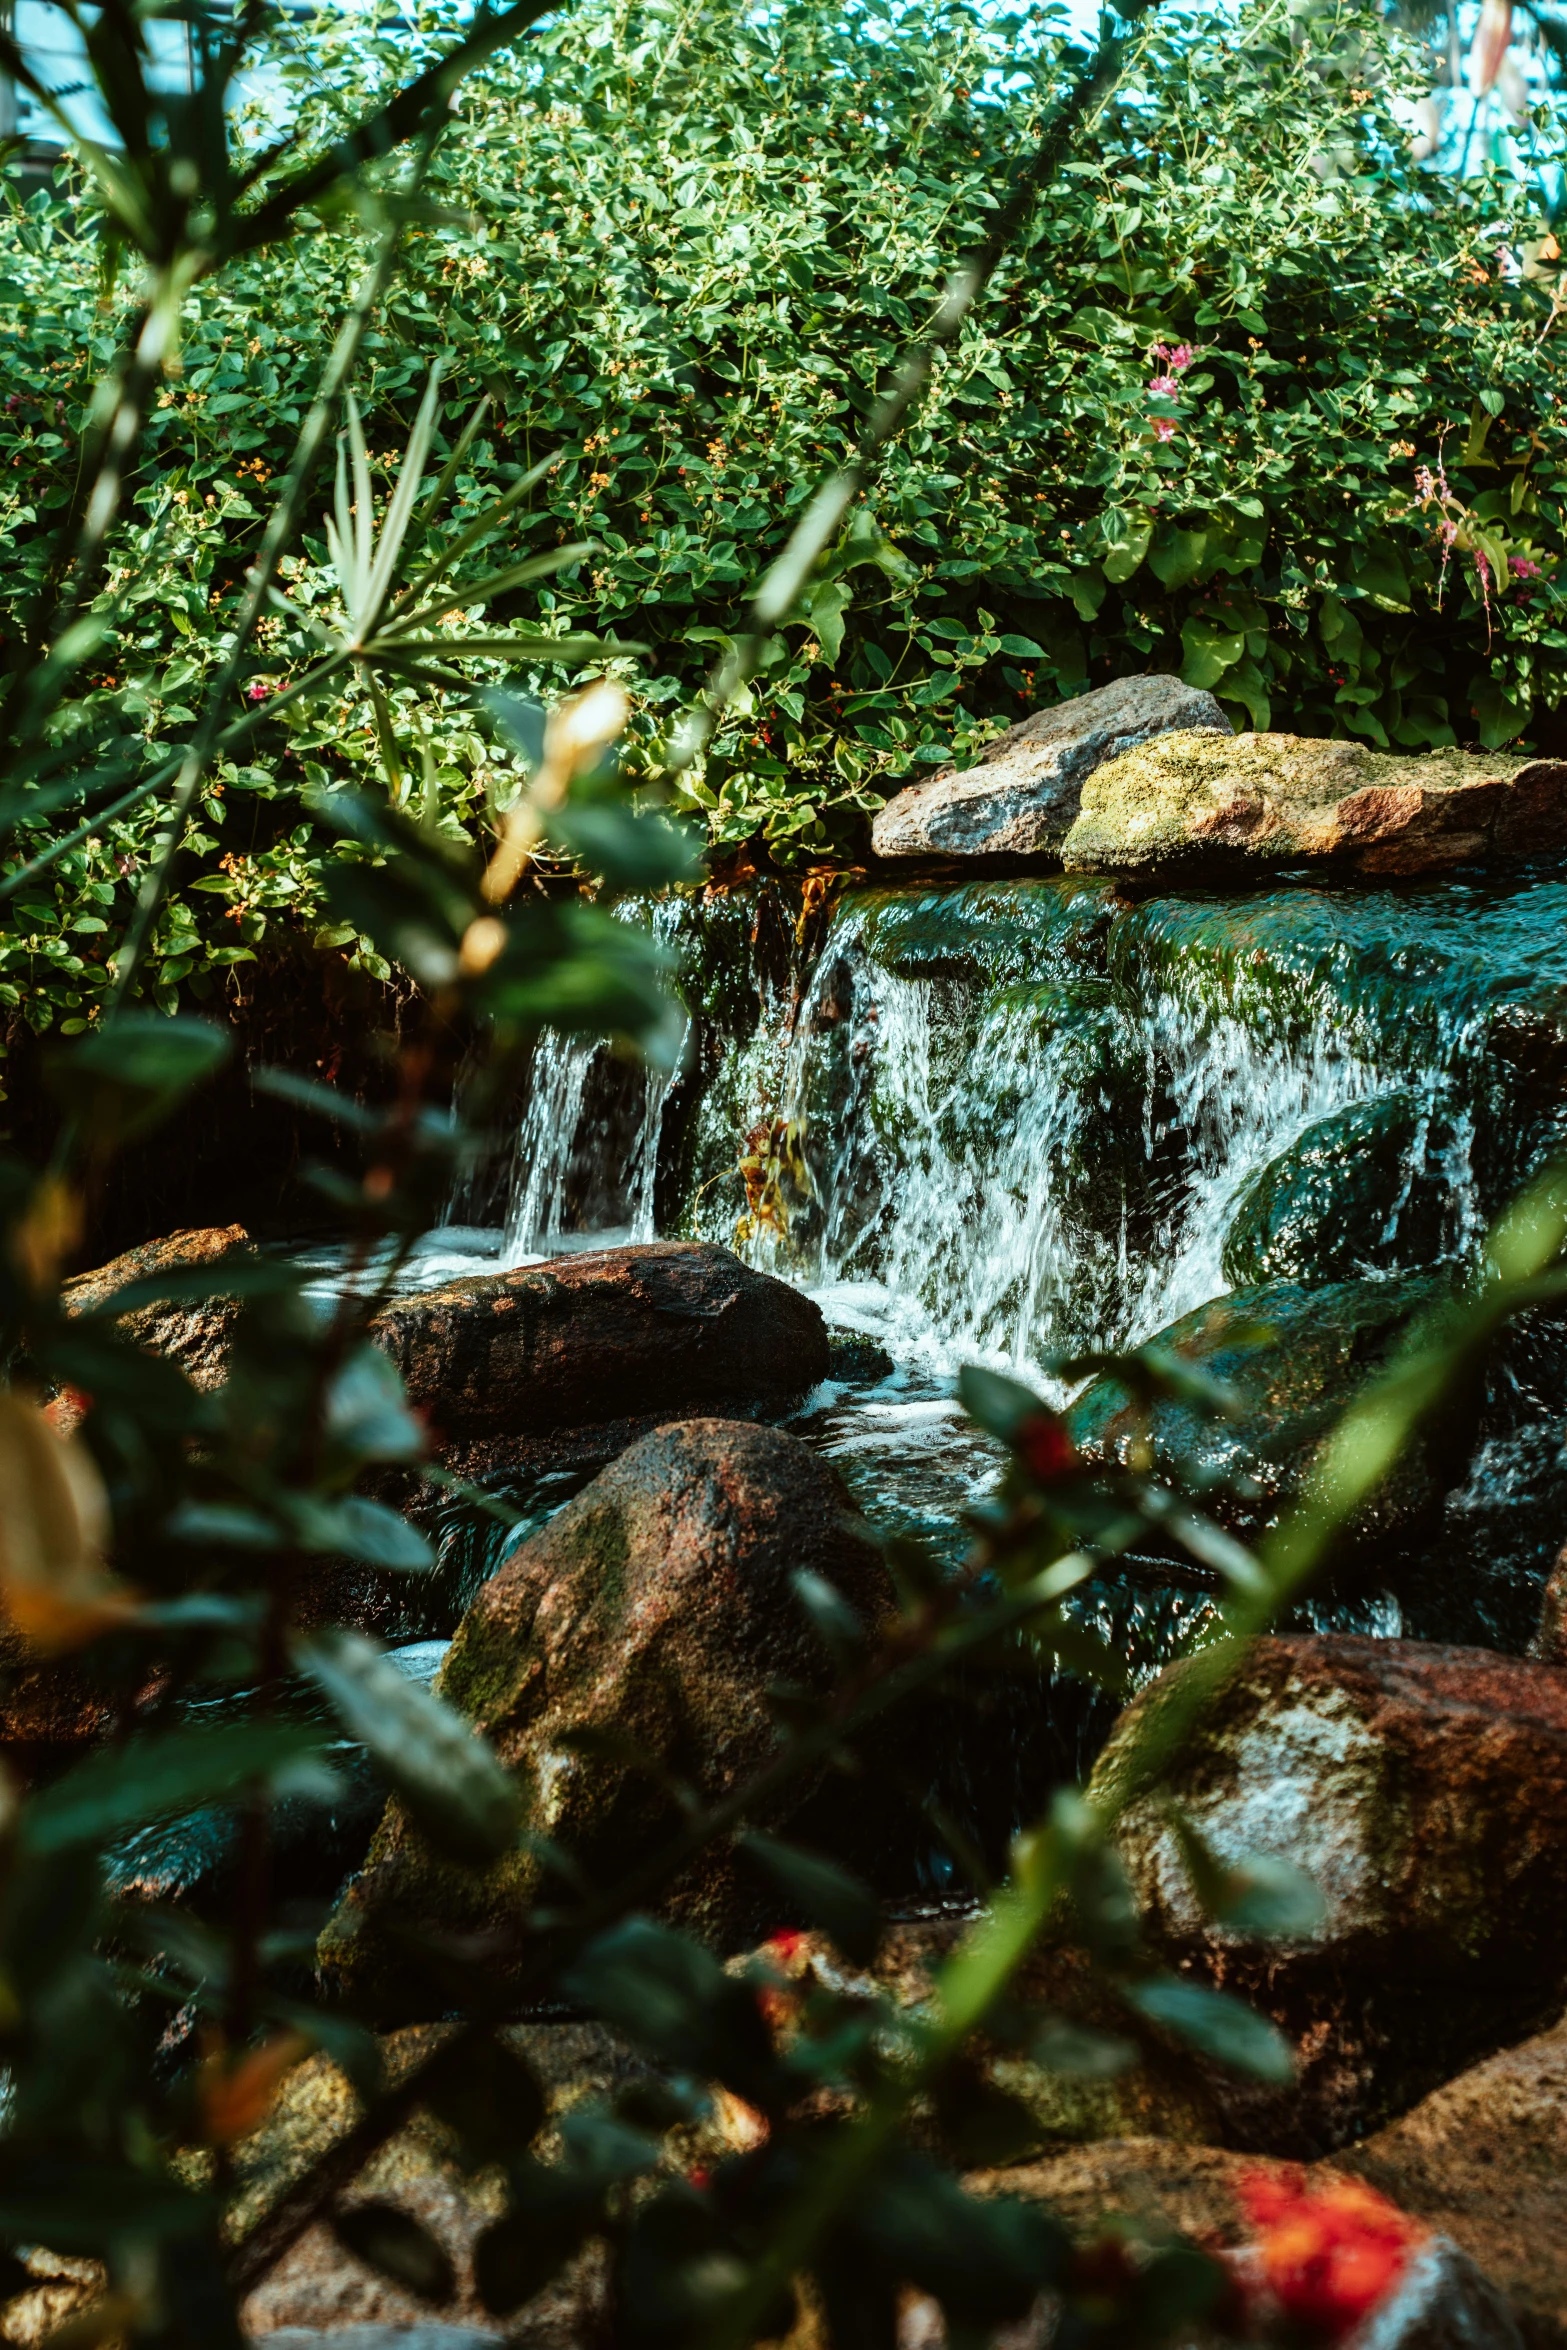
point(673, 1998)
point(130, 1074)
point(157, 1776)
point(391, 2241)
point(823, 1893)
point(1261, 1895)
point(1000, 1404)
point(1209, 649)
point(362, 1529)
point(1177, 557)
point(1127, 538)
point(1216, 2025)
point(454, 1788)
point(1502, 717)
point(492, 2100)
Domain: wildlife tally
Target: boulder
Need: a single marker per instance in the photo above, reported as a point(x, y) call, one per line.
point(1023, 797)
point(1191, 803)
point(622, 1335)
point(320, 2290)
point(193, 1332)
point(1424, 1789)
point(1294, 1355)
point(611, 1341)
point(1483, 2160)
point(658, 1606)
point(1141, 2190)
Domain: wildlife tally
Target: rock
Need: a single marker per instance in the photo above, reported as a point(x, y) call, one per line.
point(1424, 1789)
point(1549, 1645)
point(1191, 803)
point(1023, 797)
point(393, 2337)
point(1154, 2192)
point(193, 1332)
point(659, 1328)
point(658, 1605)
point(1483, 2159)
point(1295, 1355)
point(317, 2285)
point(1366, 1190)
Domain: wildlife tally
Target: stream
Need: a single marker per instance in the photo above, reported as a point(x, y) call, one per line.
point(1014, 1119)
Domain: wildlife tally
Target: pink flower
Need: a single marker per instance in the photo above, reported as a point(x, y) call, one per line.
point(1166, 387)
point(1178, 360)
point(1521, 567)
point(1162, 428)
point(258, 690)
point(1425, 482)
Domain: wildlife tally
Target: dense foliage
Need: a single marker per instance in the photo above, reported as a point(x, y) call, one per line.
point(679, 252)
point(163, 1543)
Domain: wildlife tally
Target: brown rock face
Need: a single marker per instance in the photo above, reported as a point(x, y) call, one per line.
point(623, 1336)
point(194, 1333)
point(658, 1605)
point(1023, 797)
point(1484, 2159)
point(1191, 803)
point(1424, 1789)
point(663, 1327)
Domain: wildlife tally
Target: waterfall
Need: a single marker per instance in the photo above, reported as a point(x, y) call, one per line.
point(546, 1141)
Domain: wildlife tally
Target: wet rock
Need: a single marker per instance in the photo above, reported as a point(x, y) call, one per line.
point(1549, 1645)
point(194, 1333)
point(1191, 803)
point(1483, 2160)
point(658, 1605)
point(1424, 1789)
point(658, 1328)
point(1023, 797)
point(1294, 1355)
point(1363, 1191)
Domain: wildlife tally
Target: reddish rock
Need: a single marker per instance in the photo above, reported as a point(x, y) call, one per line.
point(652, 1330)
point(1484, 2159)
point(194, 1332)
point(659, 1606)
point(1424, 1789)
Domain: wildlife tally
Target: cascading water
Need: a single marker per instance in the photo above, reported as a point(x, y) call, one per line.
point(1019, 1120)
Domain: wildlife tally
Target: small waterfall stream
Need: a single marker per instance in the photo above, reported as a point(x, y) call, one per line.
point(1016, 1120)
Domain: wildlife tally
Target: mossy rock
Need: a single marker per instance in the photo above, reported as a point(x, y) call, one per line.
point(1294, 1356)
point(1197, 802)
point(653, 1613)
point(1358, 1193)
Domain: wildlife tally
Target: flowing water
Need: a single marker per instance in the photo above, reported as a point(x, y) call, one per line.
point(1012, 1121)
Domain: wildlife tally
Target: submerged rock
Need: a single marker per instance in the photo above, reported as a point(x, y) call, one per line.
point(1023, 797)
point(1424, 1789)
point(1293, 1356)
point(1483, 2159)
point(1189, 802)
point(648, 1331)
point(657, 1607)
point(1366, 1190)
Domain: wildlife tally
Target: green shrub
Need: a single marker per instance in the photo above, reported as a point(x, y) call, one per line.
point(680, 251)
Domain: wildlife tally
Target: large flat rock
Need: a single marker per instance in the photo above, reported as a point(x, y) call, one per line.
point(1194, 804)
point(1023, 797)
point(663, 1328)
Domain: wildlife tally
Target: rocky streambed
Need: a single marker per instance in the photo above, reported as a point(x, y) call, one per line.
point(1256, 1091)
